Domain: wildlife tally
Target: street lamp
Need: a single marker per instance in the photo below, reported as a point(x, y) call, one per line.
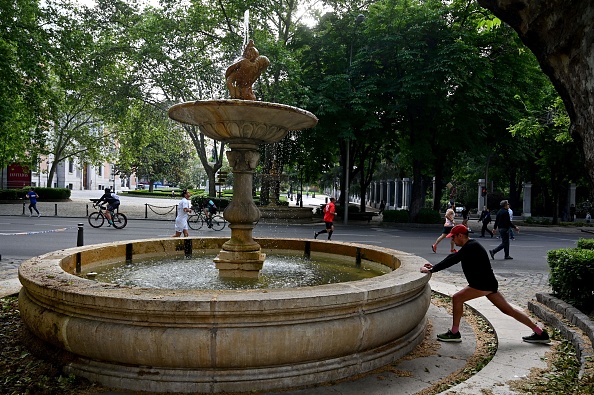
point(358, 20)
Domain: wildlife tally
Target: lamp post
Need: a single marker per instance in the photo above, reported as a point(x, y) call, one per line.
point(358, 20)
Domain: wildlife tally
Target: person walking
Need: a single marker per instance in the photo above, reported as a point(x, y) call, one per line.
point(447, 227)
point(32, 196)
point(511, 219)
point(184, 207)
point(503, 223)
point(382, 207)
point(329, 214)
point(465, 217)
point(486, 220)
point(481, 282)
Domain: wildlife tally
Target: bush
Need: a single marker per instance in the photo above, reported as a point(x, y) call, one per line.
point(429, 216)
point(572, 270)
point(585, 244)
point(401, 216)
point(45, 194)
point(221, 203)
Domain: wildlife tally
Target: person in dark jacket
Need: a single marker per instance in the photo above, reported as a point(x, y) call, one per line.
point(481, 282)
point(486, 220)
point(503, 223)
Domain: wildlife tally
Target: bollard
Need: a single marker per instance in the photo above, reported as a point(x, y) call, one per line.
point(145, 210)
point(56, 209)
point(79, 237)
point(23, 208)
point(307, 251)
point(358, 258)
point(87, 210)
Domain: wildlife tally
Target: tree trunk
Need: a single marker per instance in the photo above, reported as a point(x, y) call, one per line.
point(560, 34)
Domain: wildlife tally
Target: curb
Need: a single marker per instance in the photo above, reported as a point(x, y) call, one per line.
point(566, 318)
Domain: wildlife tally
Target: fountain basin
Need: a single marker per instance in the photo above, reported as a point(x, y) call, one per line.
point(185, 341)
point(243, 121)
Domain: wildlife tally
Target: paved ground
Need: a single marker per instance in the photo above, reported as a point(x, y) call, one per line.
point(513, 360)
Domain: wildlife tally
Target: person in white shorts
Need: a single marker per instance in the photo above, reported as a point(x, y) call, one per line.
point(183, 209)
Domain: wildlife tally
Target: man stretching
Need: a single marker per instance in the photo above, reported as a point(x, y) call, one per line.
point(481, 282)
point(329, 214)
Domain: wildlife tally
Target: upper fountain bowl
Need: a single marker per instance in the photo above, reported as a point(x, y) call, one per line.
point(243, 121)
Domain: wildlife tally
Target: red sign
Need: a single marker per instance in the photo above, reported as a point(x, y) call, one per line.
point(18, 176)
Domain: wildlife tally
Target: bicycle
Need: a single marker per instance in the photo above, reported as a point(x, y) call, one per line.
point(97, 218)
point(197, 221)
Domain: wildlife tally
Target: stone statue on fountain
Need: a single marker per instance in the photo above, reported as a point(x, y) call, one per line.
point(242, 74)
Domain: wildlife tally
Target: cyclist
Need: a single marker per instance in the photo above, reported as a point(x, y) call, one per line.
point(209, 208)
point(113, 202)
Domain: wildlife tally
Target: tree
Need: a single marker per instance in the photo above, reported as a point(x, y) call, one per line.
point(559, 33)
point(23, 75)
point(151, 146)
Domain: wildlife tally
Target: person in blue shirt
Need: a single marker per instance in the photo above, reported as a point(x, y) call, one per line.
point(32, 196)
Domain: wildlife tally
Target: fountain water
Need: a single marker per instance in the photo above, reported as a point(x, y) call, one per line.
point(216, 341)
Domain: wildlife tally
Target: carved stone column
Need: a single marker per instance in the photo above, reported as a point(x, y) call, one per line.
point(241, 255)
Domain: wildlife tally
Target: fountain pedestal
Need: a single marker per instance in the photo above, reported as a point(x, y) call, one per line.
point(241, 255)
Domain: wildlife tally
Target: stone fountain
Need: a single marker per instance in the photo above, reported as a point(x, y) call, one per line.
point(221, 341)
point(243, 123)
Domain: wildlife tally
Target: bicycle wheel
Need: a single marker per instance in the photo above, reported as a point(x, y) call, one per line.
point(96, 219)
point(119, 221)
point(195, 222)
point(218, 222)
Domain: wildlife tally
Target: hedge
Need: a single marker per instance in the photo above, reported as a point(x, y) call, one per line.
point(400, 216)
point(429, 216)
point(45, 194)
point(572, 271)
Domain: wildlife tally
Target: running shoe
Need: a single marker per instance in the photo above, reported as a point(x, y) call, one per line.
point(434, 248)
point(452, 251)
point(492, 254)
point(534, 338)
point(450, 337)
point(315, 235)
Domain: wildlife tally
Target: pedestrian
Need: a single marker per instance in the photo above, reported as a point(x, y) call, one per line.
point(511, 218)
point(447, 227)
point(32, 196)
point(329, 214)
point(465, 217)
point(381, 207)
point(503, 223)
point(481, 282)
point(588, 217)
point(184, 207)
point(486, 220)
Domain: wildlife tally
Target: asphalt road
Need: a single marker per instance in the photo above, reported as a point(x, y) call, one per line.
point(529, 249)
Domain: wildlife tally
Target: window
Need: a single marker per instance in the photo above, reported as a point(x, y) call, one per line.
point(70, 166)
point(100, 171)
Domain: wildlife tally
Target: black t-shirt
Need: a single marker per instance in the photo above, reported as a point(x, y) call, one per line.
point(475, 265)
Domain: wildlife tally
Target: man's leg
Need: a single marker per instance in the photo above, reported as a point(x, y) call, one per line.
point(499, 301)
point(330, 231)
point(505, 241)
point(458, 300)
point(539, 336)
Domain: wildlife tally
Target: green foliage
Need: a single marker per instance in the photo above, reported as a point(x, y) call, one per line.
point(585, 244)
point(429, 216)
point(537, 221)
point(221, 203)
point(45, 194)
point(572, 270)
point(400, 216)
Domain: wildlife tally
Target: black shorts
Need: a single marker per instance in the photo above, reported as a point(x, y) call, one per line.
point(329, 225)
point(446, 230)
point(113, 206)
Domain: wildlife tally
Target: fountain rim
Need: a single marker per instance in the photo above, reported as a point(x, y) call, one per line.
point(47, 271)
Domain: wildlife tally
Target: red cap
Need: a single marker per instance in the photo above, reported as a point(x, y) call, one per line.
point(458, 229)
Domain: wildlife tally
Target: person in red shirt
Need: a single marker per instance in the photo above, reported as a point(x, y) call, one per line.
point(329, 214)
